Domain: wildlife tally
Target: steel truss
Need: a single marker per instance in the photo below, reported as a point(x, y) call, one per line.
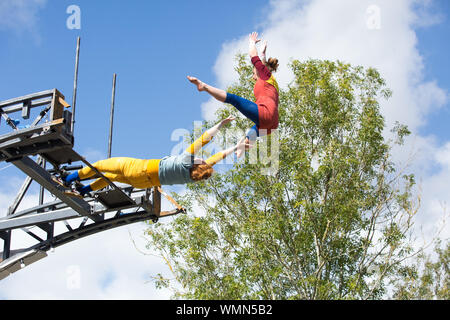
point(52, 143)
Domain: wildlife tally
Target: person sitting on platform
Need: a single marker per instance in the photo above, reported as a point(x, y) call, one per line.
point(147, 173)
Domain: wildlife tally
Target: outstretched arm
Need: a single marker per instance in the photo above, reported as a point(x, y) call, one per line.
point(225, 153)
point(207, 136)
point(213, 131)
point(263, 52)
point(262, 71)
point(252, 41)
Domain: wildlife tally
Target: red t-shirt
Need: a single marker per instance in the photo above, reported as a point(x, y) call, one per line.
point(266, 94)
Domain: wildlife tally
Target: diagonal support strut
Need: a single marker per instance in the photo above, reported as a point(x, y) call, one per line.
point(41, 176)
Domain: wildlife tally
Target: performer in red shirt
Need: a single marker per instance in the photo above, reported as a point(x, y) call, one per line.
point(264, 113)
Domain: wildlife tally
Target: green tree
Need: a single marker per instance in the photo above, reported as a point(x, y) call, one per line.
point(335, 220)
point(424, 278)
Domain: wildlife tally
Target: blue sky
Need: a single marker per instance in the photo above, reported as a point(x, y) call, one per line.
point(153, 46)
point(434, 45)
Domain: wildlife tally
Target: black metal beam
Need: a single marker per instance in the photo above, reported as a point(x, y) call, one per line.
point(23, 189)
point(41, 176)
point(45, 207)
point(28, 132)
point(6, 236)
point(57, 211)
point(32, 104)
point(33, 96)
point(35, 219)
point(87, 230)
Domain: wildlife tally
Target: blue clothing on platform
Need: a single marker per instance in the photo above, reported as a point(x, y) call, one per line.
point(75, 177)
point(72, 177)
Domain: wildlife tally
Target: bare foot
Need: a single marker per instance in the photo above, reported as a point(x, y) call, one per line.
point(200, 85)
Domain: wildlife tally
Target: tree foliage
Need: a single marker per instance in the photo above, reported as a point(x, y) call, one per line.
point(335, 220)
point(425, 279)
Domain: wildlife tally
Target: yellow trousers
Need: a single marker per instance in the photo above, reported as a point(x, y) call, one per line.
point(139, 173)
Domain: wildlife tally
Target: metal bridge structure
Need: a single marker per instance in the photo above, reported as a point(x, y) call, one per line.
point(45, 148)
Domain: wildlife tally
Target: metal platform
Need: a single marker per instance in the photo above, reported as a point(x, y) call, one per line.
point(52, 143)
point(36, 138)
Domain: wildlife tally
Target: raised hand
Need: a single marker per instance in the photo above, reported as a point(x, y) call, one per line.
point(264, 47)
point(252, 41)
point(227, 120)
point(253, 37)
point(241, 146)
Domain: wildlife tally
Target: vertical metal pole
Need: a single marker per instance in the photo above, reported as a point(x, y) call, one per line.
point(6, 236)
point(75, 83)
point(41, 191)
point(26, 184)
point(111, 119)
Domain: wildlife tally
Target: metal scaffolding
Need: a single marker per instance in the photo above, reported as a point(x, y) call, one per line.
point(32, 149)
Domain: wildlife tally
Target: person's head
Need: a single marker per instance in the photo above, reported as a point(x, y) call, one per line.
point(271, 64)
point(201, 171)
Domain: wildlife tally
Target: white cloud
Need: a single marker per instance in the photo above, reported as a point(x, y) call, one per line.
point(106, 265)
point(443, 155)
point(327, 29)
point(423, 14)
point(209, 108)
point(20, 15)
point(430, 164)
point(93, 155)
point(371, 33)
point(110, 266)
point(114, 264)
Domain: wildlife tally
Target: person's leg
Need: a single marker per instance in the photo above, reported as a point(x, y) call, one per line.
point(101, 183)
point(246, 107)
point(72, 177)
point(218, 94)
point(250, 110)
point(112, 165)
point(252, 134)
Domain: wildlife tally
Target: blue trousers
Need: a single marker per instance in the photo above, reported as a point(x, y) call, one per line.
point(247, 108)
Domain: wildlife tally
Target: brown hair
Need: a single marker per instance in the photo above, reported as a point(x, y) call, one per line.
point(272, 64)
point(201, 172)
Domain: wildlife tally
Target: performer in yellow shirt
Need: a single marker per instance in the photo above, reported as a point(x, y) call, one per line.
point(147, 173)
